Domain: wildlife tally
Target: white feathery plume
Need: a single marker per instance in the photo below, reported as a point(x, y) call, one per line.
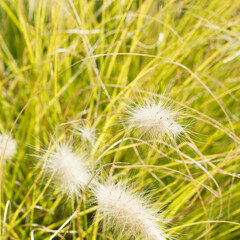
point(127, 213)
point(87, 134)
point(155, 119)
point(8, 150)
point(70, 169)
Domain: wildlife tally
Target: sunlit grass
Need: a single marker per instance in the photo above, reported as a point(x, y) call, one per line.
point(67, 63)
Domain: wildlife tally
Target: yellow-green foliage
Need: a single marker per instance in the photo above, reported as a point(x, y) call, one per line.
point(68, 63)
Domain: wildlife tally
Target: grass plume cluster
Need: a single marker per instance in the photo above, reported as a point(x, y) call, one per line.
point(69, 169)
point(122, 80)
point(127, 213)
point(8, 146)
point(155, 120)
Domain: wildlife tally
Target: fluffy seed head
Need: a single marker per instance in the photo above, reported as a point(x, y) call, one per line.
point(87, 134)
point(155, 119)
point(127, 213)
point(11, 148)
point(69, 168)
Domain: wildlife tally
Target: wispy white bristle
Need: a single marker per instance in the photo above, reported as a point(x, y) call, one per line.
point(155, 119)
point(127, 213)
point(86, 133)
point(8, 147)
point(70, 169)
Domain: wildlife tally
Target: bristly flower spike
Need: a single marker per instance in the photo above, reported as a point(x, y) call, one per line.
point(70, 169)
point(155, 119)
point(8, 146)
point(87, 134)
point(127, 213)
